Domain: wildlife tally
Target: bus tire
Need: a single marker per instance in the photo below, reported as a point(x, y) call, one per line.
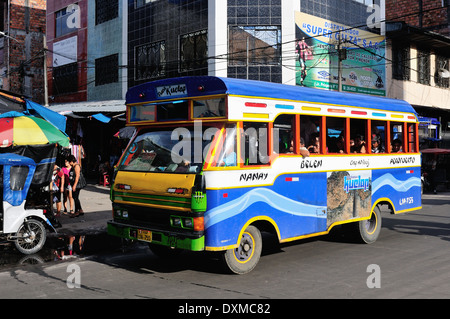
point(243, 259)
point(369, 230)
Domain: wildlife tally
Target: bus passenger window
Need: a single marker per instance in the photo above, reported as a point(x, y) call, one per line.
point(397, 137)
point(335, 135)
point(284, 125)
point(309, 131)
point(378, 140)
point(254, 144)
point(411, 137)
point(357, 134)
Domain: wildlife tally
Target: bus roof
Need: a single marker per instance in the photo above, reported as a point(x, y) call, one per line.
point(197, 86)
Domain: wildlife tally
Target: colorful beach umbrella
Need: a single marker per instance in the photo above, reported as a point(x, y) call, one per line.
point(29, 130)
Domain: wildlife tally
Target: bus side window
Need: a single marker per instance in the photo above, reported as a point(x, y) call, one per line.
point(255, 144)
point(397, 137)
point(284, 125)
point(411, 137)
point(358, 131)
point(310, 132)
point(378, 139)
point(335, 135)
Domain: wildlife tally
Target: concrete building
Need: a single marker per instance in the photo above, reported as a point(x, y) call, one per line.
point(418, 55)
point(87, 77)
point(106, 50)
point(254, 39)
point(67, 45)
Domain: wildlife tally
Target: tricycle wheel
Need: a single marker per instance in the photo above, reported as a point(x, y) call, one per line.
point(31, 237)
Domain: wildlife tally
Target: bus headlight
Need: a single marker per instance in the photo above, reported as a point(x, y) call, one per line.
point(195, 223)
point(175, 221)
point(188, 223)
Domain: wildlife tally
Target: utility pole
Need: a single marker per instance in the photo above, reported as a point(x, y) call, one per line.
point(45, 72)
point(247, 49)
point(342, 55)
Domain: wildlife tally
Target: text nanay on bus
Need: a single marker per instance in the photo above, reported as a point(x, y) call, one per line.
point(215, 161)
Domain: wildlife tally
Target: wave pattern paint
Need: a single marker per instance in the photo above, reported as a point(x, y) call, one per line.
point(402, 187)
point(300, 204)
point(293, 218)
point(397, 185)
point(271, 198)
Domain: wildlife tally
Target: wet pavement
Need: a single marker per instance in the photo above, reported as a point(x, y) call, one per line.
point(77, 237)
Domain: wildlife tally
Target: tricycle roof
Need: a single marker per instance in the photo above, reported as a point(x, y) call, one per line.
point(15, 159)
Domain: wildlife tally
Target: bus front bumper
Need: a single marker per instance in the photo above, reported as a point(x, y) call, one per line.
point(155, 236)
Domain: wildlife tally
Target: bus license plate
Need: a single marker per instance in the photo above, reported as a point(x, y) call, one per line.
point(144, 235)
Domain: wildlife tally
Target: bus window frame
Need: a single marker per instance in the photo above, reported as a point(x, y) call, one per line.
point(366, 134)
point(295, 132)
point(209, 118)
point(321, 128)
point(412, 137)
point(403, 126)
point(345, 130)
point(385, 124)
point(269, 146)
point(190, 118)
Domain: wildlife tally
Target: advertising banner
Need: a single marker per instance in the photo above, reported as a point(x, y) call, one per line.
point(363, 69)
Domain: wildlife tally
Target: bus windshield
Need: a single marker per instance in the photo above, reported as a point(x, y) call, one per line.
point(169, 150)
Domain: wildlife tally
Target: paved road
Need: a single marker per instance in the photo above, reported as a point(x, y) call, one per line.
point(410, 260)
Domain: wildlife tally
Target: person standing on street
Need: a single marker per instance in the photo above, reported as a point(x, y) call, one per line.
point(74, 178)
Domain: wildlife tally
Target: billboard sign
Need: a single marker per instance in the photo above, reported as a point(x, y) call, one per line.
point(363, 69)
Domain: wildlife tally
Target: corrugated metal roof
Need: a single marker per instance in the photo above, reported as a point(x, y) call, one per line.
point(110, 106)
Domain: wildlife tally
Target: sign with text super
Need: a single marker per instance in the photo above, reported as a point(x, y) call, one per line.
point(363, 65)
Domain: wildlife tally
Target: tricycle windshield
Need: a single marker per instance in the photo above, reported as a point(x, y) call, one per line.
point(18, 177)
point(169, 150)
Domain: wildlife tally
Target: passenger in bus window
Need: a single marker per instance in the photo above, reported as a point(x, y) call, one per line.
point(303, 150)
point(340, 144)
point(360, 145)
point(308, 129)
point(229, 158)
point(397, 146)
point(315, 144)
point(377, 146)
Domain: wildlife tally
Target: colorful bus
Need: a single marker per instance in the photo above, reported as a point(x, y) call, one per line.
point(216, 161)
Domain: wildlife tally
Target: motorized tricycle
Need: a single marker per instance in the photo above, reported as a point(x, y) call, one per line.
point(22, 220)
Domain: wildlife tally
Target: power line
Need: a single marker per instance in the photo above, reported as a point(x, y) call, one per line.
point(229, 56)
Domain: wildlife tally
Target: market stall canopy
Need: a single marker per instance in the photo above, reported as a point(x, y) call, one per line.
point(53, 117)
point(12, 102)
point(435, 151)
point(18, 129)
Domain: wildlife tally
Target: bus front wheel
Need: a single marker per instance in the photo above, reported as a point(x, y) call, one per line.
point(369, 230)
point(243, 259)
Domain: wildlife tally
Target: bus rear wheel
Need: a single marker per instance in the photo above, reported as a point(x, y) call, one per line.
point(243, 259)
point(369, 230)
